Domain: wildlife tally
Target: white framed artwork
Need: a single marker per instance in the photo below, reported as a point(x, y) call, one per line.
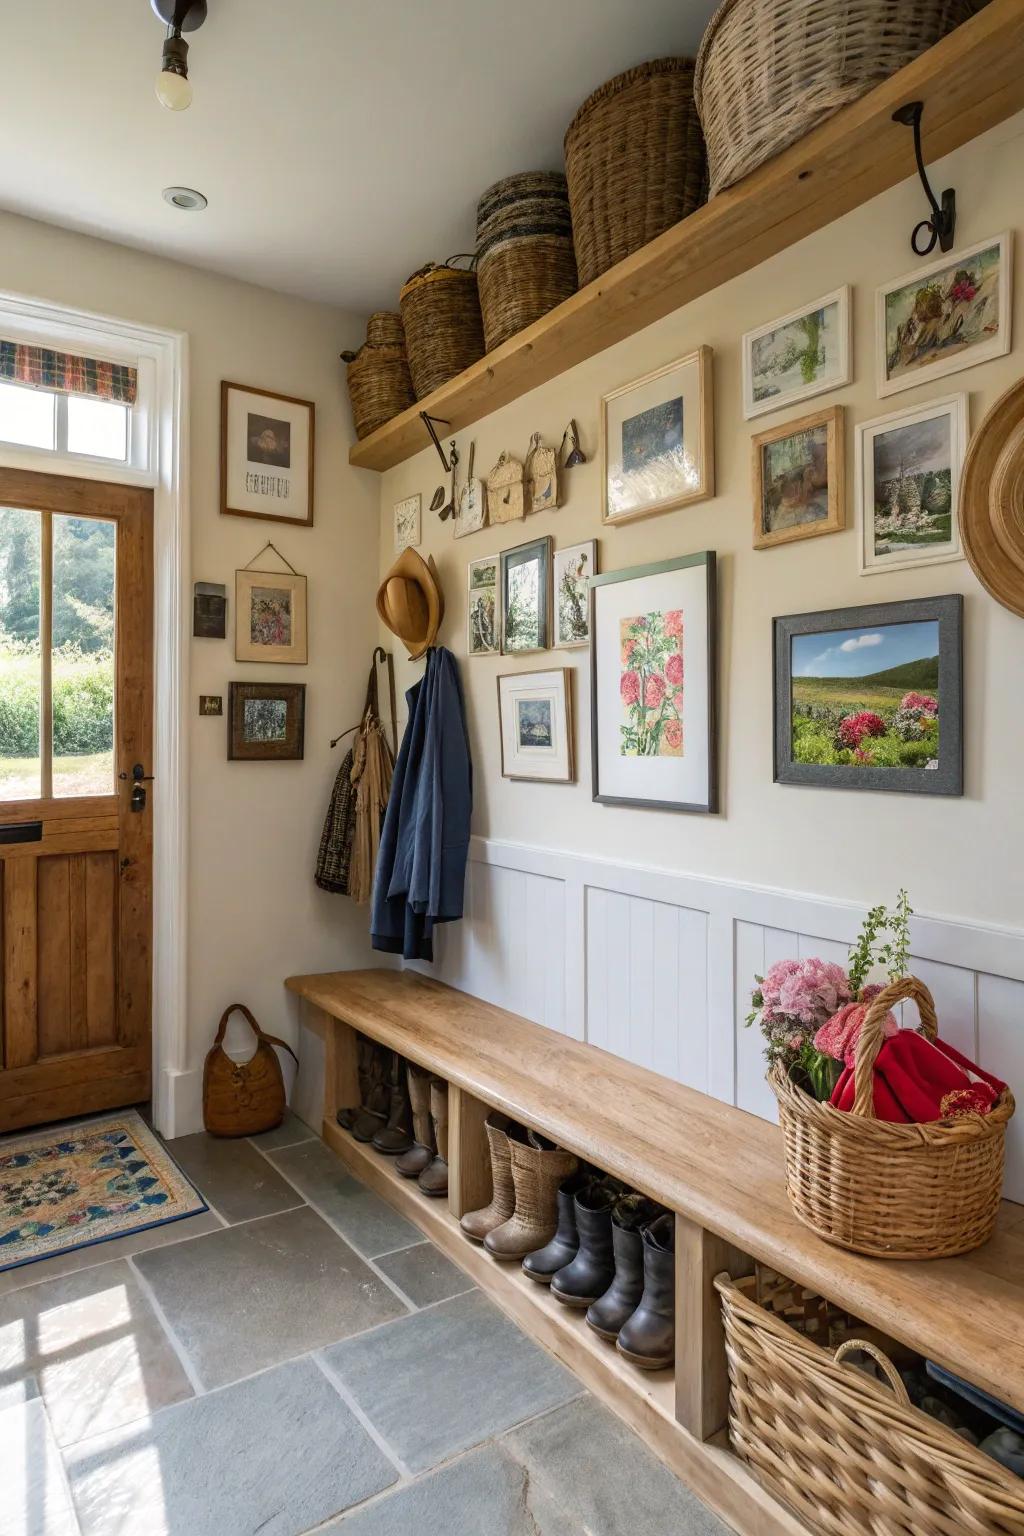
point(573, 568)
point(907, 485)
point(800, 355)
point(408, 522)
point(657, 440)
point(483, 614)
point(536, 724)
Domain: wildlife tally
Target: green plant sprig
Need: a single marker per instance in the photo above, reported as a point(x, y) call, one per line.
point(862, 955)
point(895, 954)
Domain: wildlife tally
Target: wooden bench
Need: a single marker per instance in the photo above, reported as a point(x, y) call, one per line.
point(719, 1169)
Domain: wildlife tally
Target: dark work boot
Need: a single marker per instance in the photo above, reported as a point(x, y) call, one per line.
point(377, 1102)
point(648, 1339)
point(563, 1247)
point(396, 1135)
point(349, 1113)
point(608, 1314)
point(421, 1154)
point(592, 1271)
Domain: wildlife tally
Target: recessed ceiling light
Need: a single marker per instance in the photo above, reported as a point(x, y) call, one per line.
point(184, 197)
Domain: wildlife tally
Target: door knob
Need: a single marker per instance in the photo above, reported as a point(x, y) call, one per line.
point(139, 778)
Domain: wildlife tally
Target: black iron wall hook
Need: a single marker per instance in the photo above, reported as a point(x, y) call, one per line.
point(941, 227)
point(429, 422)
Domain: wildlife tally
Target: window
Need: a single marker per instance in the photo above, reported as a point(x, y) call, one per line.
point(71, 424)
point(28, 416)
point(65, 405)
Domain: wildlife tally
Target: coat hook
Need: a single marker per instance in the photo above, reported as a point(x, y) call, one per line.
point(430, 422)
point(941, 227)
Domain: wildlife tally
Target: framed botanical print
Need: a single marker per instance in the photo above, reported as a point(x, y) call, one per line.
point(944, 317)
point(573, 569)
point(536, 724)
point(407, 522)
point(483, 624)
point(872, 697)
point(266, 721)
point(803, 354)
point(653, 670)
point(799, 479)
point(526, 597)
point(908, 485)
point(657, 440)
point(270, 616)
point(266, 454)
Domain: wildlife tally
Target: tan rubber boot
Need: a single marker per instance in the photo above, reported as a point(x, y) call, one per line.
point(538, 1167)
point(477, 1224)
point(434, 1178)
point(419, 1156)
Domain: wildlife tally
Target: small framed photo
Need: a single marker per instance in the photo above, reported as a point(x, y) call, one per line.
point(535, 719)
point(526, 597)
point(657, 440)
point(266, 455)
point(407, 522)
point(211, 704)
point(573, 569)
point(270, 616)
point(944, 317)
point(803, 354)
point(799, 474)
point(483, 623)
point(653, 672)
point(266, 721)
point(908, 482)
point(209, 610)
point(872, 697)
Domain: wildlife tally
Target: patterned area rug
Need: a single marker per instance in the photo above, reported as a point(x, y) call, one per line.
point(86, 1183)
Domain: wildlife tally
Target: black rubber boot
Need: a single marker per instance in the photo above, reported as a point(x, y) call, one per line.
point(563, 1247)
point(592, 1271)
point(648, 1339)
point(614, 1309)
point(396, 1135)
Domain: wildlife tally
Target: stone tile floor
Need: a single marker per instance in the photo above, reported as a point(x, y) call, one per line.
point(298, 1359)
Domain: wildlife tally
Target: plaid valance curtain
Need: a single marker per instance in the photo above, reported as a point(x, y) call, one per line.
point(67, 373)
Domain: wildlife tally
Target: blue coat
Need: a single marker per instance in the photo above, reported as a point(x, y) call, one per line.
point(424, 844)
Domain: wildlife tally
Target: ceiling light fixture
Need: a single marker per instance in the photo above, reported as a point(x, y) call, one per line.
point(184, 197)
point(173, 88)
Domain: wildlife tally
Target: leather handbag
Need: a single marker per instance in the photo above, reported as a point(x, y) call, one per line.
point(243, 1098)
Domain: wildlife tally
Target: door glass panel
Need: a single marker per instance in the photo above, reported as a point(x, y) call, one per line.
point(20, 665)
point(84, 556)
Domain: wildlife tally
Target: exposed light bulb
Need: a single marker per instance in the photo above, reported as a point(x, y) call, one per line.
point(173, 91)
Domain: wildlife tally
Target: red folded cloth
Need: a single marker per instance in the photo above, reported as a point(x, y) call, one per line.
point(916, 1080)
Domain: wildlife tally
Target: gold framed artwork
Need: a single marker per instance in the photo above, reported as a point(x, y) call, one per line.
point(799, 479)
point(266, 454)
point(657, 440)
point(270, 617)
point(536, 725)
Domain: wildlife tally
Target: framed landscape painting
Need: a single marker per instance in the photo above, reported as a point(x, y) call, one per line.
point(525, 589)
point(803, 354)
point(799, 479)
point(573, 569)
point(871, 697)
point(653, 642)
point(657, 440)
point(266, 721)
point(908, 480)
point(535, 720)
point(266, 454)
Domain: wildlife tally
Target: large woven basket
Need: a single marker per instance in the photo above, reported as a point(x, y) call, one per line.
point(769, 71)
point(525, 262)
point(847, 1455)
point(894, 1191)
point(635, 163)
point(444, 332)
point(379, 385)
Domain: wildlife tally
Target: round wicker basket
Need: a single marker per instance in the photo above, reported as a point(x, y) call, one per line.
point(379, 386)
point(444, 331)
point(770, 70)
point(635, 163)
point(525, 258)
point(894, 1191)
point(385, 329)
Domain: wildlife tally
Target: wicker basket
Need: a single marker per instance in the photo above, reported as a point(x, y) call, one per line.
point(385, 329)
point(525, 258)
point(379, 386)
point(634, 159)
point(769, 71)
point(844, 1453)
point(894, 1191)
point(444, 332)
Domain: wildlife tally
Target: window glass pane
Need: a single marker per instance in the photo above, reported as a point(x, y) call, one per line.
point(20, 669)
point(84, 551)
point(27, 416)
point(99, 427)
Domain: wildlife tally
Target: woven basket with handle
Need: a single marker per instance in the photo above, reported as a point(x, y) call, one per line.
point(891, 1190)
point(444, 332)
point(243, 1098)
point(379, 385)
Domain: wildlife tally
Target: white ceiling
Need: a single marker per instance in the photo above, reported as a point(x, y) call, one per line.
point(341, 143)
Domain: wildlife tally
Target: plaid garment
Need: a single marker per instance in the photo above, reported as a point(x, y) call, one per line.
point(334, 859)
point(67, 373)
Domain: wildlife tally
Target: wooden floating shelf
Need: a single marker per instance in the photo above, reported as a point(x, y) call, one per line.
point(968, 82)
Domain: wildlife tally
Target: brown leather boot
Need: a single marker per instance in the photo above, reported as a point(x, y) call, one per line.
point(421, 1154)
point(374, 1112)
point(500, 1131)
point(349, 1114)
point(538, 1167)
point(648, 1339)
point(434, 1178)
point(396, 1135)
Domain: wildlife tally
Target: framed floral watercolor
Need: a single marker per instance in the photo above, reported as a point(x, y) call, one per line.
point(657, 440)
point(266, 454)
point(653, 665)
point(573, 569)
point(525, 589)
point(266, 721)
point(944, 317)
point(799, 475)
point(871, 697)
point(270, 616)
point(407, 523)
point(483, 628)
point(908, 484)
point(536, 724)
point(803, 354)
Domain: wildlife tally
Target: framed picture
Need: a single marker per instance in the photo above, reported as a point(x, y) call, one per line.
point(653, 644)
point(573, 569)
point(800, 479)
point(657, 440)
point(871, 697)
point(211, 704)
point(908, 485)
point(944, 317)
point(803, 354)
point(526, 597)
point(266, 721)
point(270, 616)
point(535, 720)
point(483, 623)
point(407, 522)
point(266, 455)
point(209, 610)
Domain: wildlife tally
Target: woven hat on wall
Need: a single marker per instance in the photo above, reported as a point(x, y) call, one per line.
point(992, 501)
point(411, 603)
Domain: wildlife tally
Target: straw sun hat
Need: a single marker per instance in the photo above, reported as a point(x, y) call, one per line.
point(992, 501)
point(411, 603)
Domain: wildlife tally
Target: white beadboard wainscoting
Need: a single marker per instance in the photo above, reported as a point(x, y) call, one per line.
point(658, 967)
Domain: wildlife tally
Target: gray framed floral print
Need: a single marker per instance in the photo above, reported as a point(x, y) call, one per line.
point(800, 355)
point(526, 597)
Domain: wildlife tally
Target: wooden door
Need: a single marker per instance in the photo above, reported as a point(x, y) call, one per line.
point(76, 602)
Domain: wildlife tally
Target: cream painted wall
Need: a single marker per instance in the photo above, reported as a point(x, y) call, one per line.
point(959, 858)
point(255, 914)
